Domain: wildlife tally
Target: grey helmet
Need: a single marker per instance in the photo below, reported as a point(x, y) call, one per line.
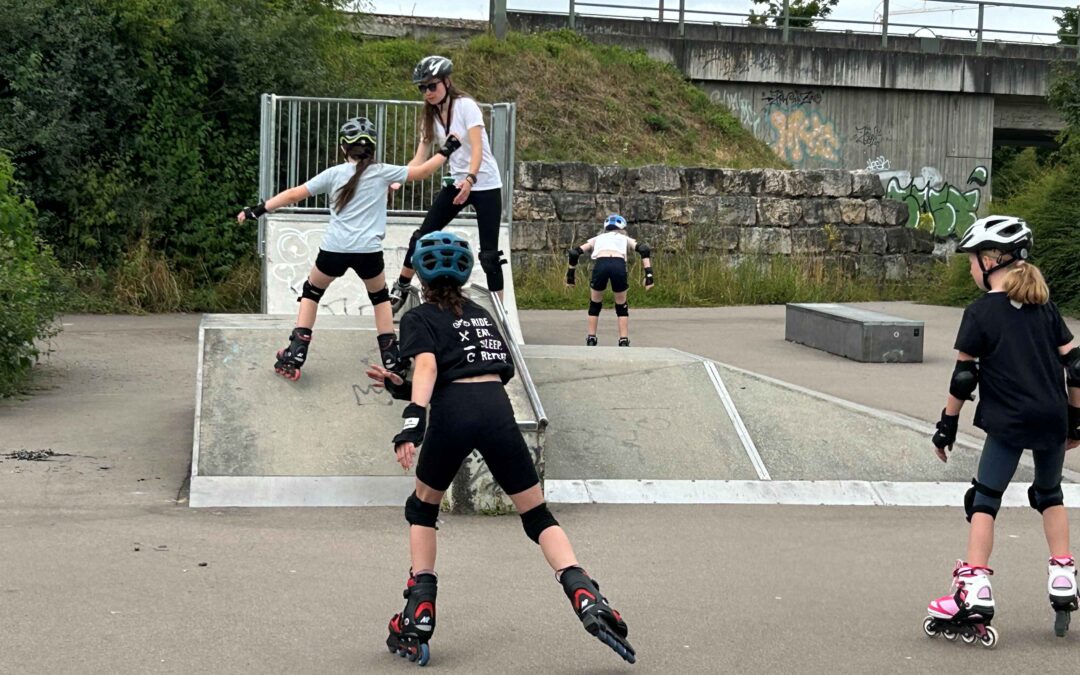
point(358, 130)
point(432, 68)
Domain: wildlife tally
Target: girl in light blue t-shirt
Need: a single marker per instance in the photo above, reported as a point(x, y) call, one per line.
point(353, 237)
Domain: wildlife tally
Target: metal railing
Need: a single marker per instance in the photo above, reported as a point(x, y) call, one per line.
point(299, 138)
point(677, 11)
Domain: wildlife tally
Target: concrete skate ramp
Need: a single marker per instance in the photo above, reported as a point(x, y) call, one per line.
point(292, 243)
point(321, 441)
point(649, 414)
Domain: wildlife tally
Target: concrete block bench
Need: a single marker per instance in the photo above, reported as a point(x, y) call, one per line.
point(858, 334)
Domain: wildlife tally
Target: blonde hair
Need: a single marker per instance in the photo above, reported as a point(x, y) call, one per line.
point(1024, 282)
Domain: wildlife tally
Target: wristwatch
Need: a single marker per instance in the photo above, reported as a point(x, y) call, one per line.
point(471, 177)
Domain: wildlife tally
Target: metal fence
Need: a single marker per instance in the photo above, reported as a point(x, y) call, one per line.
point(884, 22)
point(299, 138)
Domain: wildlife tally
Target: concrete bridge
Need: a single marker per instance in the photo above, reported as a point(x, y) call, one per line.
point(923, 113)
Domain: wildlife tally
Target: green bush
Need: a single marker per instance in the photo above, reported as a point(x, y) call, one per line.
point(28, 290)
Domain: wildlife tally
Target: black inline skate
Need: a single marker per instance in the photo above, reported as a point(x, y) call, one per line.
point(291, 359)
point(595, 613)
point(413, 627)
point(624, 342)
point(590, 340)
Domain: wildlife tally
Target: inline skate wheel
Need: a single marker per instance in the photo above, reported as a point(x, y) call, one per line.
point(424, 655)
point(949, 635)
point(968, 639)
point(1061, 622)
point(989, 639)
point(928, 627)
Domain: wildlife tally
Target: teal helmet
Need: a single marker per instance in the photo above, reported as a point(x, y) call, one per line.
point(441, 255)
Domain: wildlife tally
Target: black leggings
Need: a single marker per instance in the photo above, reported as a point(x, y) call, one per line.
point(488, 206)
point(998, 464)
point(475, 415)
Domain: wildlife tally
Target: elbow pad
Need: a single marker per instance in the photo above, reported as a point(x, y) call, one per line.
point(1071, 361)
point(643, 250)
point(574, 254)
point(965, 378)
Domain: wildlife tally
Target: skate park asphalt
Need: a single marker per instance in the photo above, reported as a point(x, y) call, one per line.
point(104, 568)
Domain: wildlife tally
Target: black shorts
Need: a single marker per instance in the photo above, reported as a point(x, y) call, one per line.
point(475, 416)
point(609, 269)
point(366, 265)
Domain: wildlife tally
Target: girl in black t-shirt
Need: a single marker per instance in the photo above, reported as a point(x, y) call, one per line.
point(461, 365)
point(1014, 346)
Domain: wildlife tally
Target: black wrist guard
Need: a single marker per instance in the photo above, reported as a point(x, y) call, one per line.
point(402, 392)
point(649, 281)
point(1074, 423)
point(448, 148)
point(412, 431)
point(254, 212)
point(570, 275)
point(947, 427)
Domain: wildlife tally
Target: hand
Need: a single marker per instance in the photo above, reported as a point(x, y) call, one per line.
point(394, 187)
point(405, 453)
point(945, 436)
point(570, 274)
point(251, 212)
point(241, 217)
point(648, 281)
point(464, 188)
point(448, 148)
point(379, 375)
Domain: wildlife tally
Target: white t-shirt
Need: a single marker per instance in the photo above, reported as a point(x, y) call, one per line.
point(464, 115)
point(611, 244)
point(361, 225)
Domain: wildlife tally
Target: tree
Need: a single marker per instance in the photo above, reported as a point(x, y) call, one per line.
point(1067, 26)
point(801, 13)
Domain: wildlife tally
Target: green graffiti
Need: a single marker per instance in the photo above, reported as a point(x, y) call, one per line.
point(944, 210)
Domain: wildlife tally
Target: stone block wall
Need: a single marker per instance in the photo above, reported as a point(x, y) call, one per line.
point(827, 212)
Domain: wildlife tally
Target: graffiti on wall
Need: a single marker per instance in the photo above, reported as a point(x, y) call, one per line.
point(935, 204)
point(868, 135)
point(790, 122)
point(877, 164)
point(802, 133)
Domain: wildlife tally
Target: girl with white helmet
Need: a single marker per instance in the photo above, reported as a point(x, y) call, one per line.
point(1015, 348)
point(475, 179)
point(353, 239)
point(461, 366)
point(609, 250)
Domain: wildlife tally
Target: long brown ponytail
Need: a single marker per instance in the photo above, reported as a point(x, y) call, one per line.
point(362, 154)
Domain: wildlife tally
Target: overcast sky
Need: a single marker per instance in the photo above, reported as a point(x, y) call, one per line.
point(914, 12)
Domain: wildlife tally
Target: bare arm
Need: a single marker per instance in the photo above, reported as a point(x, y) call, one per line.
point(284, 198)
point(425, 169)
point(424, 373)
point(476, 142)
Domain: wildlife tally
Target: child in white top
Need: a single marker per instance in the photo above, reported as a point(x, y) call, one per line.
point(609, 250)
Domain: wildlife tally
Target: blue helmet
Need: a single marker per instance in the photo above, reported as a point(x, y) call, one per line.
point(442, 254)
point(615, 222)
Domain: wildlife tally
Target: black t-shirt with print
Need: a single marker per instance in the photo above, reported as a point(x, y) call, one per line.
point(1022, 394)
point(464, 346)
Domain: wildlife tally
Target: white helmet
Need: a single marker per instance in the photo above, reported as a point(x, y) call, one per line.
point(1007, 234)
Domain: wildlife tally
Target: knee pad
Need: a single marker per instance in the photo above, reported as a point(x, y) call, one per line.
point(965, 378)
point(421, 513)
point(536, 520)
point(412, 248)
point(623, 309)
point(379, 297)
point(991, 509)
point(311, 292)
point(491, 262)
point(1041, 500)
point(595, 307)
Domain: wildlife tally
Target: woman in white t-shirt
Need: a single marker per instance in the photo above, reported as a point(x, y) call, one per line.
point(609, 250)
point(449, 111)
point(353, 236)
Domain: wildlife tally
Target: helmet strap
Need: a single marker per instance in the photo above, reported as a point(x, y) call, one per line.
point(1008, 260)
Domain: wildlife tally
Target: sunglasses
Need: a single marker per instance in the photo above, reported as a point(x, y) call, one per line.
point(431, 86)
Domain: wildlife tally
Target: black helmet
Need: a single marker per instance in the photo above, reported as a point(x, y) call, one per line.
point(432, 68)
point(358, 130)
